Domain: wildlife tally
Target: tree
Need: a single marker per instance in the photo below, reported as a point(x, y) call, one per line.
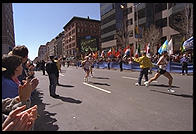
point(151, 35)
point(122, 37)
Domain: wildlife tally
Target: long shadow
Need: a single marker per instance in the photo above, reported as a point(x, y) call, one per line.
point(162, 85)
point(101, 77)
point(65, 85)
point(68, 99)
point(44, 122)
point(181, 95)
point(96, 83)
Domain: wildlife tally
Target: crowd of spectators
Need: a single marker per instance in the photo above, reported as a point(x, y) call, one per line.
point(18, 84)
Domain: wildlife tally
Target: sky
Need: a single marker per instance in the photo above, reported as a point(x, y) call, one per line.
point(36, 24)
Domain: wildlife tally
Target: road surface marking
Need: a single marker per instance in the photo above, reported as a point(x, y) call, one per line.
point(61, 74)
point(134, 78)
point(96, 87)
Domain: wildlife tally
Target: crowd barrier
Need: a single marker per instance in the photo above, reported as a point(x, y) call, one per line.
point(171, 67)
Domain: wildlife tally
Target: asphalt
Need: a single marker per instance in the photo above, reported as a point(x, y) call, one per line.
point(110, 101)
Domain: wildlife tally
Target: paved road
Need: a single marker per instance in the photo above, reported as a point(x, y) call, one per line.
point(111, 101)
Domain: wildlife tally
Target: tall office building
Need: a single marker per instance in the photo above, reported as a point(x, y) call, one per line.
point(111, 22)
point(162, 15)
point(8, 39)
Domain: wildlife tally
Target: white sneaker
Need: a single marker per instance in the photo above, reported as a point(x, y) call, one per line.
point(171, 90)
point(146, 83)
point(137, 84)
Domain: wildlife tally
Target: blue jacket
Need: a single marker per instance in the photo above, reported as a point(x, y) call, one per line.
point(9, 88)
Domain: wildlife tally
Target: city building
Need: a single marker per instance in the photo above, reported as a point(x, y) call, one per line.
point(51, 48)
point(42, 52)
point(112, 25)
point(81, 35)
point(161, 15)
point(58, 48)
point(8, 38)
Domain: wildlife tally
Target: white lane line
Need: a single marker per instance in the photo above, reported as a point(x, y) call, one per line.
point(96, 87)
point(61, 74)
point(134, 78)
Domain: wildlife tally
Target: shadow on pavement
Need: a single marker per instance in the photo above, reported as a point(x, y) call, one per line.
point(96, 83)
point(181, 95)
point(65, 85)
point(162, 85)
point(44, 122)
point(68, 99)
point(100, 77)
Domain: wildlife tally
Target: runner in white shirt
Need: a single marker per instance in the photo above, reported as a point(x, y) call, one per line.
point(86, 66)
point(162, 63)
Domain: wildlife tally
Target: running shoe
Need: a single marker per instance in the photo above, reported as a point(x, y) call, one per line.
point(171, 90)
point(137, 84)
point(146, 83)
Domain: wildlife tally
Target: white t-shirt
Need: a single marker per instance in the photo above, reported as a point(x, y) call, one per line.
point(163, 63)
point(87, 64)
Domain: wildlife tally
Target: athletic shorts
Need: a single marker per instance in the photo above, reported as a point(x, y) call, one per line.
point(161, 71)
point(86, 69)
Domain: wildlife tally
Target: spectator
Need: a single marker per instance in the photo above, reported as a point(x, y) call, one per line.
point(19, 120)
point(21, 51)
point(145, 64)
point(184, 61)
point(43, 66)
point(58, 64)
point(52, 71)
point(10, 82)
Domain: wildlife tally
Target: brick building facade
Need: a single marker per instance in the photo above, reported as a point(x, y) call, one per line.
point(80, 33)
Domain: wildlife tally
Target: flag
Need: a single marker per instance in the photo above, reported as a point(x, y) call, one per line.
point(109, 52)
point(147, 48)
point(113, 51)
point(181, 47)
point(170, 47)
point(127, 52)
point(163, 47)
point(102, 54)
point(136, 53)
point(188, 44)
point(117, 54)
point(95, 55)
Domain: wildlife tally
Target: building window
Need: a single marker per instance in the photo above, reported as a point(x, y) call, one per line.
point(129, 10)
point(161, 23)
point(160, 7)
point(78, 29)
point(141, 13)
point(108, 29)
point(107, 38)
point(130, 22)
point(131, 33)
point(108, 19)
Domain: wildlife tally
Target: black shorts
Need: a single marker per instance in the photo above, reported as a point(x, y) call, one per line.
point(86, 69)
point(161, 71)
